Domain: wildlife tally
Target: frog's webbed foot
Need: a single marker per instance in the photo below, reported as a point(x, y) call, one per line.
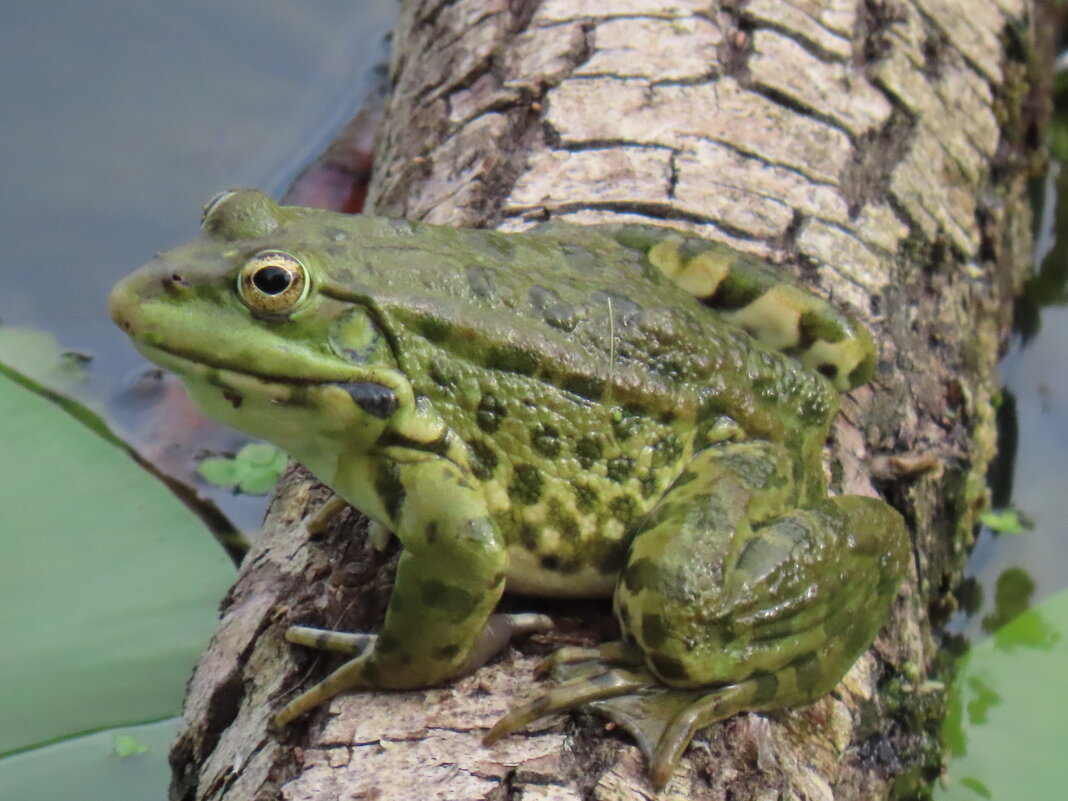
point(662, 720)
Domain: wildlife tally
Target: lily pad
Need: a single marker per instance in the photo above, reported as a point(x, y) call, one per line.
point(108, 584)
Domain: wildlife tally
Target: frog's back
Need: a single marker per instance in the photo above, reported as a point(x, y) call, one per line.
point(573, 308)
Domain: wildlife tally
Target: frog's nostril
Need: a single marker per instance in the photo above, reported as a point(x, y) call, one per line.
point(175, 282)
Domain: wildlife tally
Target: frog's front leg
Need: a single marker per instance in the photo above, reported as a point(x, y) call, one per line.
point(735, 597)
point(449, 578)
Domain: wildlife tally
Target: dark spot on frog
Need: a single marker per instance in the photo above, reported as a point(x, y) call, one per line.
point(615, 556)
point(625, 311)
point(546, 440)
point(816, 325)
point(430, 533)
point(375, 399)
point(809, 671)
point(624, 508)
point(512, 359)
point(529, 537)
point(491, 410)
point(767, 685)
point(586, 386)
point(563, 521)
point(668, 668)
point(667, 451)
point(457, 601)
point(446, 653)
point(733, 294)
point(620, 468)
point(435, 329)
point(387, 642)
point(554, 564)
point(654, 632)
point(481, 281)
point(588, 450)
point(335, 234)
point(640, 575)
point(441, 375)
point(235, 399)
point(389, 488)
point(649, 487)
point(483, 459)
point(553, 310)
point(585, 497)
point(526, 484)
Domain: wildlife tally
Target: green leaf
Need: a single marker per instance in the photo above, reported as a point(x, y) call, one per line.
point(127, 745)
point(219, 471)
point(254, 470)
point(1005, 521)
point(262, 455)
point(108, 583)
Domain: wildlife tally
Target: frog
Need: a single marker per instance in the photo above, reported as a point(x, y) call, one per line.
point(621, 411)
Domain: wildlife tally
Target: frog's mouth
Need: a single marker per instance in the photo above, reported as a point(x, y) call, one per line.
point(235, 386)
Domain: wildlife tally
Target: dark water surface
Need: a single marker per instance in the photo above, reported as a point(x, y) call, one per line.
point(122, 117)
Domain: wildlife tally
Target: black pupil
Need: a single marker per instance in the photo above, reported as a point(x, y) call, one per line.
point(272, 280)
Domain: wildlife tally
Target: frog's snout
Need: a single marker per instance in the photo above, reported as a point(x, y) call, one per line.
point(121, 302)
point(130, 298)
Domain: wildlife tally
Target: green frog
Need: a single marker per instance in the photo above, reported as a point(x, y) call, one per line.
point(619, 411)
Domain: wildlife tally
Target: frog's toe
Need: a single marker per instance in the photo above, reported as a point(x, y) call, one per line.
point(569, 695)
point(609, 653)
point(349, 643)
point(356, 674)
point(663, 737)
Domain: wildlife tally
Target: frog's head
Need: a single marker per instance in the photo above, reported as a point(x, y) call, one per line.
point(246, 318)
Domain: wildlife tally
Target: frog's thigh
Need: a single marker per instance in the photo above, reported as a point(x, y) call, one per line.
point(727, 582)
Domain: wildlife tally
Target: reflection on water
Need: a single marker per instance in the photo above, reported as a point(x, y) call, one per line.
point(1006, 732)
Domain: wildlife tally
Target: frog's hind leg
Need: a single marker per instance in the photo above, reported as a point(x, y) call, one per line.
point(763, 300)
point(736, 599)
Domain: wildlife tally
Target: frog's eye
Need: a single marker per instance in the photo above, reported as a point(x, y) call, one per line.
point(272, 282)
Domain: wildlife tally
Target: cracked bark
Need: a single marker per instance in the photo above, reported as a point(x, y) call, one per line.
point(877, 149)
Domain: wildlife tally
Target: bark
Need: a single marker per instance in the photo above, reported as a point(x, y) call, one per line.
point(876, 148)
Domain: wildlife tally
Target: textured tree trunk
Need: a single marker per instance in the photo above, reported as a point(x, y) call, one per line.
point(875, 148)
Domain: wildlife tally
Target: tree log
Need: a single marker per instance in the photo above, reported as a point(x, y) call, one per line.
point(877, 149)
